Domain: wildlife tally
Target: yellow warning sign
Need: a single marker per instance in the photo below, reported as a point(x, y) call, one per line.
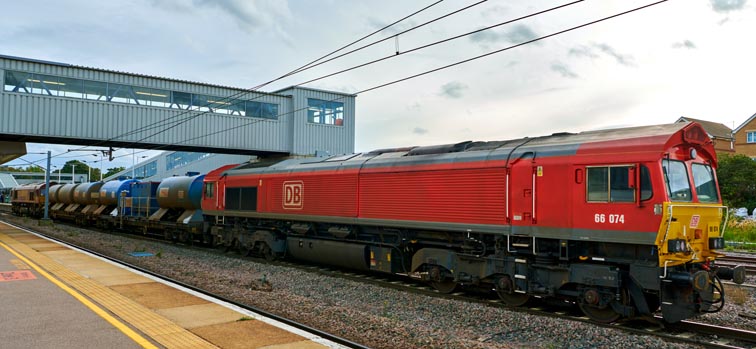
point(539, 171)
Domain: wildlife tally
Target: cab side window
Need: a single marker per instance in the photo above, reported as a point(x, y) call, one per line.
point(610, 183)
point(209, 190)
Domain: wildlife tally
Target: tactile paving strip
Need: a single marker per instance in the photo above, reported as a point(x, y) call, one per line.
point(160, 329)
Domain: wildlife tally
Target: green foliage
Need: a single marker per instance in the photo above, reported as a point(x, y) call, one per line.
point(740, 230)
point(21, 169)
point(737, 180)
point(33, 169)
point(112, 171)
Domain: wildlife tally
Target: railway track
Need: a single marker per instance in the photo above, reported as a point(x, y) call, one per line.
point(748, 262)
point(710, 336)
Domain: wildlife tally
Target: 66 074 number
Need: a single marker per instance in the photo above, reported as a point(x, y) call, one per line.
point(609, 218)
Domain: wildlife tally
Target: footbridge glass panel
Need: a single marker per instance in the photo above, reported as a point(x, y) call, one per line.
point(58, 86)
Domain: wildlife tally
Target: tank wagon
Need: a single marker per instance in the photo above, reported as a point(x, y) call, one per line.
point(621, 222)
point(64, 206)
point(111, 193)
point(179, 216)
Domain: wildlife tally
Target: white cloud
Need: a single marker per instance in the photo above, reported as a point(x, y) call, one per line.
point(727, 5)
point(452, 89)
point(520, 33)
point(684, 44)
point(563, 70)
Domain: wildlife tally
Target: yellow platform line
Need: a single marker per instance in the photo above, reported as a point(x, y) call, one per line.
point(97, 310)
point(162, 330)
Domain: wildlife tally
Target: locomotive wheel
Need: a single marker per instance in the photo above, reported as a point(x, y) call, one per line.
point(267, 253)
point(593, 311)
point(439, 280)
point(444, 286)
point(506, 292)
point(605, 315)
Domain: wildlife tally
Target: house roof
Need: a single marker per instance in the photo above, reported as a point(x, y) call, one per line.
point(744, 123)
point(714, 129)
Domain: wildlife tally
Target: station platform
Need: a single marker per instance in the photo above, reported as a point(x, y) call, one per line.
point(52, 296)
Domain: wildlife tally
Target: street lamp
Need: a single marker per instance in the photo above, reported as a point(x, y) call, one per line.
point(89, 170)
point(73, 175)
point(95, 155)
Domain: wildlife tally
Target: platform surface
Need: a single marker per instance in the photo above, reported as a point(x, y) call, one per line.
point(52, 296)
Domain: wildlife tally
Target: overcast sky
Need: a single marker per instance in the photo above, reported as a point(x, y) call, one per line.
point(690, 58)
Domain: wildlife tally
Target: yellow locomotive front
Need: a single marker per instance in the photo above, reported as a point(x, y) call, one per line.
point(690, 233)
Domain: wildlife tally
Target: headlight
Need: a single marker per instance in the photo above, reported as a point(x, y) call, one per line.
point(676, 245)
point(716, 243)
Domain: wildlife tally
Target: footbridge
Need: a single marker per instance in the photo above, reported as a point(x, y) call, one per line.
point(50, 102)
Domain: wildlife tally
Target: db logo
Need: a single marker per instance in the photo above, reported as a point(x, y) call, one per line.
point(293, 195)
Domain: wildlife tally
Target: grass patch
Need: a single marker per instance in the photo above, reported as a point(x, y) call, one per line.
point(245, 318)
point(737, 295)
point(742, 232)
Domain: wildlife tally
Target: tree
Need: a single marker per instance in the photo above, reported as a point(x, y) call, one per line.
point(34, 169)
point(112, 171)
point(737, 180)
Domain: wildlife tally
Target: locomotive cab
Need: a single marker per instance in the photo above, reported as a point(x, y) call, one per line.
point(691, 231)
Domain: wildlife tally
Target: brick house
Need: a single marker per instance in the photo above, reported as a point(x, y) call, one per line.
point(745, 137)
point(721, 135)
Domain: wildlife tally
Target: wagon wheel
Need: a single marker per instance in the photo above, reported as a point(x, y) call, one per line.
point(596, 312)
point(227, 247)
point(440, 282)
point(184, 237)
point(506, 290)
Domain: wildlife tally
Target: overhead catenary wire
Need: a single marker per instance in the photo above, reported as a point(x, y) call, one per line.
point(240, 94)
point(167, 125)
point(180, 122)
point(446, 66)
point(310, 64)
point(396, 36)
point(440, 42)
point(316, 62)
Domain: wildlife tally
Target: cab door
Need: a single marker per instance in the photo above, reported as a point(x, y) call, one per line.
point(522, 191)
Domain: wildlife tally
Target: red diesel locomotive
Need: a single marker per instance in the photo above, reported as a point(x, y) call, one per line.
point(621, 222)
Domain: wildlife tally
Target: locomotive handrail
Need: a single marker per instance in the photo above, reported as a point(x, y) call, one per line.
point(664, 276)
